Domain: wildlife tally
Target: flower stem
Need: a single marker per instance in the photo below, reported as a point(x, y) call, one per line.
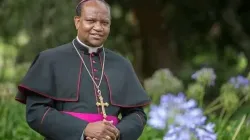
point(201, 100)
point(213, 102)
point(239, 127)
point(225, 120)
point(243, 100)
point(207, 111)
point(222, 113)
point(229, 115)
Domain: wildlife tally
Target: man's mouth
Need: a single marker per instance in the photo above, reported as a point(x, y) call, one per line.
point(96, 36)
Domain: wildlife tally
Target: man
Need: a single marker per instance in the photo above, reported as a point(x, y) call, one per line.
point(76, 90)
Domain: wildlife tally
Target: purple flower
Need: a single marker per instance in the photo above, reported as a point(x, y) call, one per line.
point(206, 76)
point(239, 81)
point(179, 133)
point(206, 132)
point(159, 115)
point(175, 110)
point(181, 111)
point(181, 117)
point(186, 133)
point(191, 119)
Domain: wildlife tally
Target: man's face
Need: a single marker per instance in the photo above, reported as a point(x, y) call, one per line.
point(94, 23)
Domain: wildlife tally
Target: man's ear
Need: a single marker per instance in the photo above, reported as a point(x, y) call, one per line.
point(77, 22)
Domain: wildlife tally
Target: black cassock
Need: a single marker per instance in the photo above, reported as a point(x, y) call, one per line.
point(61, 98)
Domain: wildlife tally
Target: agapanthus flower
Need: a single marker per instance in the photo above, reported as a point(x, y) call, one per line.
point(180, 116)
point(185, 133)
point(159, 117)
point(205, 75)
point(179, 133)
point(206, 132)
point(156, 84)
point(239, 81)
point(175, 110)
point(196, 91)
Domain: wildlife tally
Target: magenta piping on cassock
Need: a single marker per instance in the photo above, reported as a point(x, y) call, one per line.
point(22, 87)
point(92, 117)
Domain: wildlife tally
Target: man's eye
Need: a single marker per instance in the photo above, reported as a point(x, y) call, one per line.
point(90, 20)
point(105, 23)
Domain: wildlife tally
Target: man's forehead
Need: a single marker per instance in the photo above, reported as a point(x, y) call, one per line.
point(95, 3)
point(91, 8)
point(91, 3)
point(95, 13)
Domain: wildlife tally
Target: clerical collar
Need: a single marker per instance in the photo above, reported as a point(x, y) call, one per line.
point(88, 49)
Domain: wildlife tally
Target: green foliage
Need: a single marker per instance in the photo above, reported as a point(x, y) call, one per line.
point(227, 129)
point(7, 61)
point(12, 120)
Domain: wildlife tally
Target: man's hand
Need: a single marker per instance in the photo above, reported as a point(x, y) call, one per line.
point(102, 130)
point(117, 132)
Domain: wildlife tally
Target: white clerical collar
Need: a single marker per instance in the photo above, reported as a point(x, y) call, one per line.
point(91, 49)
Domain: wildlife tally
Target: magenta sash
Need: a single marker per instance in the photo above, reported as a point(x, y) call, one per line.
point(92, 117)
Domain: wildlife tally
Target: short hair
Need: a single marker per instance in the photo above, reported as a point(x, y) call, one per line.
point(81, 2)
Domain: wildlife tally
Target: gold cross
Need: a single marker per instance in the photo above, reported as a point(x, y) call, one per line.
point(103, 105)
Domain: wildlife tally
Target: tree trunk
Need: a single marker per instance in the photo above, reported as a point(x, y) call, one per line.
point(157, 49)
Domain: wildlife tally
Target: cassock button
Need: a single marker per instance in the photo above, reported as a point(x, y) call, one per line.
point(94, 61)
point(95, 70)
point(92, 54)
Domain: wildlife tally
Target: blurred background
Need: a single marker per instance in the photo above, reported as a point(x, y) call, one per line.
point(191, 56)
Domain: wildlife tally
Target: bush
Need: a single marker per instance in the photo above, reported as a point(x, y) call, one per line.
point(12, 121)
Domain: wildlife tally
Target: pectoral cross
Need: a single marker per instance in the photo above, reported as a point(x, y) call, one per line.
point(103, 105)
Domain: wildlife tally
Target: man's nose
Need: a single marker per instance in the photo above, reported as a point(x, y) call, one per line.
point(98, 27)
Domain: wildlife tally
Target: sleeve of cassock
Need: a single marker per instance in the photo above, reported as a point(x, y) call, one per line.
point(132, 123)
point(50, 123)
point(133, 116)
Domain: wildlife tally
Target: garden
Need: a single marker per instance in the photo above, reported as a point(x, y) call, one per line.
point(192, 57)
point(176, 113)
